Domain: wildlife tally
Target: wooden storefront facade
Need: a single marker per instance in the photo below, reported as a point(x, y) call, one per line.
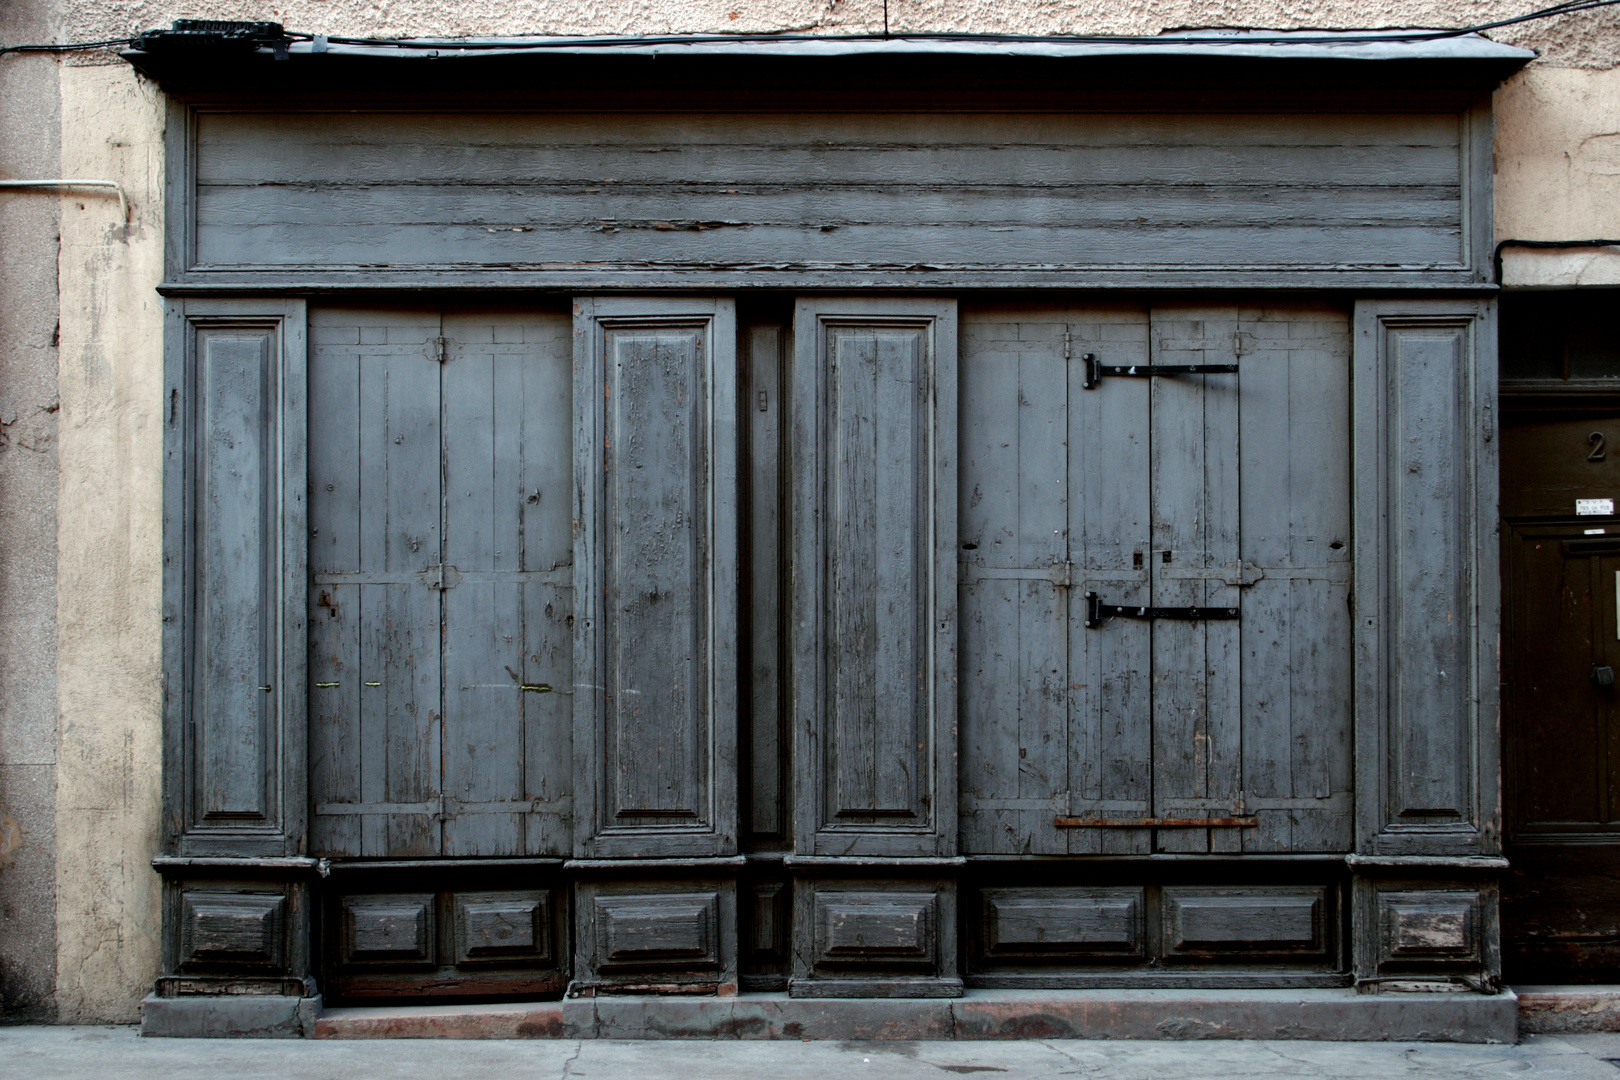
point(871, 520)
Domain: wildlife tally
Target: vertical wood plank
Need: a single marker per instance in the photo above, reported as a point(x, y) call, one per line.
point(989, 664)
point(1111, 765)
point(507, 550)
point(765, 770)
point(1295, 549)
point(875, 576)
point(1196, 665)
point(375, 533)
point(334, 609)
point(1014, 536)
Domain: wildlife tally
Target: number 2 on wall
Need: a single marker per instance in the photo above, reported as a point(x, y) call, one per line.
point(1599, 450)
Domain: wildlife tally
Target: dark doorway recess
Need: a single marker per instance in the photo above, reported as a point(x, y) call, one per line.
point(1561, 640)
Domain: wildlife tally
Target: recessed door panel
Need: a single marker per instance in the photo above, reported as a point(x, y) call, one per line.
point(655, 452)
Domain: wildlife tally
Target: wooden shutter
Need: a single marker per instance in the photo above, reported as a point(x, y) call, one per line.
point(1182, 490)
point(441, 514)
point(1197, 672)
point(1055, 503)
point(376, 517)
point(507, 585)
point(1250, 482)
point(235, 561)
point(655, 385)
point(874, 577)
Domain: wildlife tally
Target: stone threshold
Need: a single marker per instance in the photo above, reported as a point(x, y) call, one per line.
point(1336, 1014)
point(1568, 1010)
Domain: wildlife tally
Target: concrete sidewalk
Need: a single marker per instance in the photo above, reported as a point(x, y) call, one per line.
point(72, 1053)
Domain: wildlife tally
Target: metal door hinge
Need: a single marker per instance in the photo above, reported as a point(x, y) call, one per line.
point(441, 349)
point(1096, 370)
point(1097, 611)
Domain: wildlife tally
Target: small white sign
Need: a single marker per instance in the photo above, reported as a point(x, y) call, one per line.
point(1594, 532)
point(1593, 507)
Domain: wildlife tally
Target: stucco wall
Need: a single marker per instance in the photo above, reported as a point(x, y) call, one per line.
point(109, 570)
point(1559, 172)
point(30, 146)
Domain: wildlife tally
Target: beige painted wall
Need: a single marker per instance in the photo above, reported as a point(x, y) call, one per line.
point(1559, 176)
point(109, 533)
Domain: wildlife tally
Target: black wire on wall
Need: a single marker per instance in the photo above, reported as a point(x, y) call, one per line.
point(1566, 8)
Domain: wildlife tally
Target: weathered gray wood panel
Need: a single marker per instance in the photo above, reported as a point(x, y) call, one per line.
point(1245, 480)
point(1426, 581)
point(440, 591)
point(236, 612)
point(1197, 707)
point(1295, 551)
point(874, 579)
point(1054, 500)
point(234, 539)
point(655, 386)
point(767, 746)
point(508, 598)
point(781, 193)
point(375, 535)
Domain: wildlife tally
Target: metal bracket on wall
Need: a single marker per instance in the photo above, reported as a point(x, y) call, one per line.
point(1097, 611)
point(1095, 371)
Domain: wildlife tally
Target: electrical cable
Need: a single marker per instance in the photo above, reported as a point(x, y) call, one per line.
point(1569, 7)
point(1496, 256)
point(73, 46)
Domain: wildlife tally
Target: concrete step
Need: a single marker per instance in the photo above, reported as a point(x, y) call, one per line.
point(1568, 1010)
point(979, 1014)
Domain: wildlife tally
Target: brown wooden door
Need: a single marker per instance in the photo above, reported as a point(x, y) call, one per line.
point(1561, 711)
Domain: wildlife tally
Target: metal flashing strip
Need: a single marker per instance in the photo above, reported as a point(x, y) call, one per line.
point(1375, 45)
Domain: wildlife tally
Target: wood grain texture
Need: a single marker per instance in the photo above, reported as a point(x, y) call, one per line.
point(1242, 481)
point(375, 635)
point(234, 540)
point(874, 579)
point(656, 460)
point(1426, 580)
point(1043, 924)
point(765, 769)
point(640, 936)
point(783, 192)
point(508, 648)
point(441, 586)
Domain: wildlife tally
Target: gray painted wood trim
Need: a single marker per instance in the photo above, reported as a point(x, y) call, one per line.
point(713, 831)
point(281, 831)
point(830, 192)
point(320, 279)
point(179, 203)
point(1404, 419)
point(1479, 169)
point(935, 833)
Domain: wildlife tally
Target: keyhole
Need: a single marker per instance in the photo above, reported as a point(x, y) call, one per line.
point(1599, 448)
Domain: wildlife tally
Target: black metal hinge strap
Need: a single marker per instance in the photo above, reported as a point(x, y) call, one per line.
point(1095, 371)
point(1097, 611)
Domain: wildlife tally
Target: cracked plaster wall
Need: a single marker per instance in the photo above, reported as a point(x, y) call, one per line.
point(30, 145)
point(109, 534)
point(1558, 155)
